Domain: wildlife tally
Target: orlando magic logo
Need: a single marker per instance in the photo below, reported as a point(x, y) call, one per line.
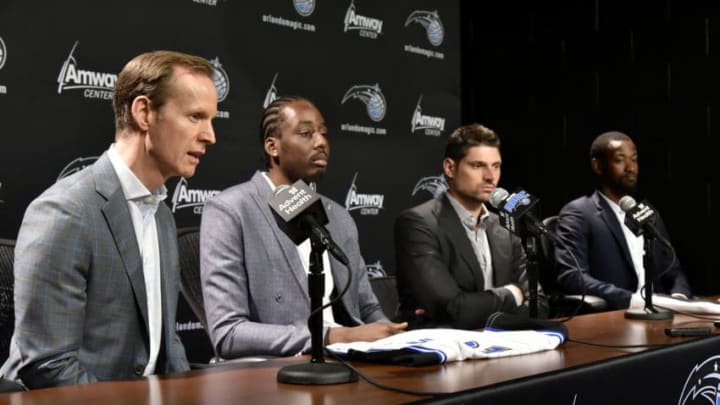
point(304, 7)
point(435, 185)
point(3, 53)
point(430, 20)
point(76, 165)
point(372, 97)
point(702, 385)
point(221, 79)
point(272, 93)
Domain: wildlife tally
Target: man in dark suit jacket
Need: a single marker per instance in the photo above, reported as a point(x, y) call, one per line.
point(456, 264)
point(610, 256)
point(96, 261)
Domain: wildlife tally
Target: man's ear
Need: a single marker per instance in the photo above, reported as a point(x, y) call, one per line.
point(272, 146)
point(142, 112)
point(449, 168)
point(596, 166)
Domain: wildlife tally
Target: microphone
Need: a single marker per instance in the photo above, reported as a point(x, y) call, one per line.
point(516, 213)
point(302, 210)
point(642, 218)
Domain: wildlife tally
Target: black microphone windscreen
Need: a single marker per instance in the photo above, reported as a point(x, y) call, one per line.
point(295, 205)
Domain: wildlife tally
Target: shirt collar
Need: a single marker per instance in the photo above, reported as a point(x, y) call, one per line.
point(466, 217)
point(270, 183)
point(132, 187)
point(613, 205)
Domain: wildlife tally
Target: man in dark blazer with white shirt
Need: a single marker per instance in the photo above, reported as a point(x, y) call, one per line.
point(456, 264)
point(609, 254)
point(96, 260)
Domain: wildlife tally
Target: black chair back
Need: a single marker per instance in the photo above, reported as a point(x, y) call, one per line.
point(561, 304)
point(7, 307)
point(189, 252)
point(385, 289)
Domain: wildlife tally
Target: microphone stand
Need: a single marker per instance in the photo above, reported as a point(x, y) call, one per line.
point(649, 312)
point(317, 371)
point(531, 251)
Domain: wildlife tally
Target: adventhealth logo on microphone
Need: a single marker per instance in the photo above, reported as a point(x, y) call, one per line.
point(297, 200)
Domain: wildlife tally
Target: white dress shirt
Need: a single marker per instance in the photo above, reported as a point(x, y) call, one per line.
point(636, 244)
point(142, 205)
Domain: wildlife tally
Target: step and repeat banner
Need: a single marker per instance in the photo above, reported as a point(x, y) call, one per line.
point(386, 76)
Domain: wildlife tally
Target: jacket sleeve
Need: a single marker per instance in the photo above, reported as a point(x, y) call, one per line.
point(51, 269)
point(227, 295)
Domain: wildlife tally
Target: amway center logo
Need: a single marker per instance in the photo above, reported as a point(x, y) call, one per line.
point(435, 185)
point(432, 125)
point(368, 204)
point(304, 7)
point(185, 197)
point(367, 27)
point(373, 98)
point(93, 84)
point(702, 384)
point(272, 93)
point(430, 20)
point(212, 3)
point(76, 165)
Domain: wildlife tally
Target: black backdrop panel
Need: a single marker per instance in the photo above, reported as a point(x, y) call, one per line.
point(385, 75)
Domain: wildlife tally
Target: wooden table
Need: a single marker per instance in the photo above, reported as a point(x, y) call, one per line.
point(255, 383)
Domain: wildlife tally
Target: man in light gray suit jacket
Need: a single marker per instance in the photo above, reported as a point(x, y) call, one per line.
point(96, 268)
point(254, 277)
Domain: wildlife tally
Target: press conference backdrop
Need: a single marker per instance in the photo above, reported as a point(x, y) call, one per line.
point(386, 76)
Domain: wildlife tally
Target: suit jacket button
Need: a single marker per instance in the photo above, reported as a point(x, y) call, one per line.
point(138, 369)
point(279, 298)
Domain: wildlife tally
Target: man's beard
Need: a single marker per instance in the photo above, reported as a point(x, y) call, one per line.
point(624, 185)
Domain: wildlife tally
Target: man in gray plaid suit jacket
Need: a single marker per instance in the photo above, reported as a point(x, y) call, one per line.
point(96, 268)
point(254, 277)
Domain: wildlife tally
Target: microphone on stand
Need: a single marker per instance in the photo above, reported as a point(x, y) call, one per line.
point(516, 214)
point(642, 222)
point(301, 210)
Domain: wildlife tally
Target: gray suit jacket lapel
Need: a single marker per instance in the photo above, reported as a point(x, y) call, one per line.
point(262, 197)
point(117, 215)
